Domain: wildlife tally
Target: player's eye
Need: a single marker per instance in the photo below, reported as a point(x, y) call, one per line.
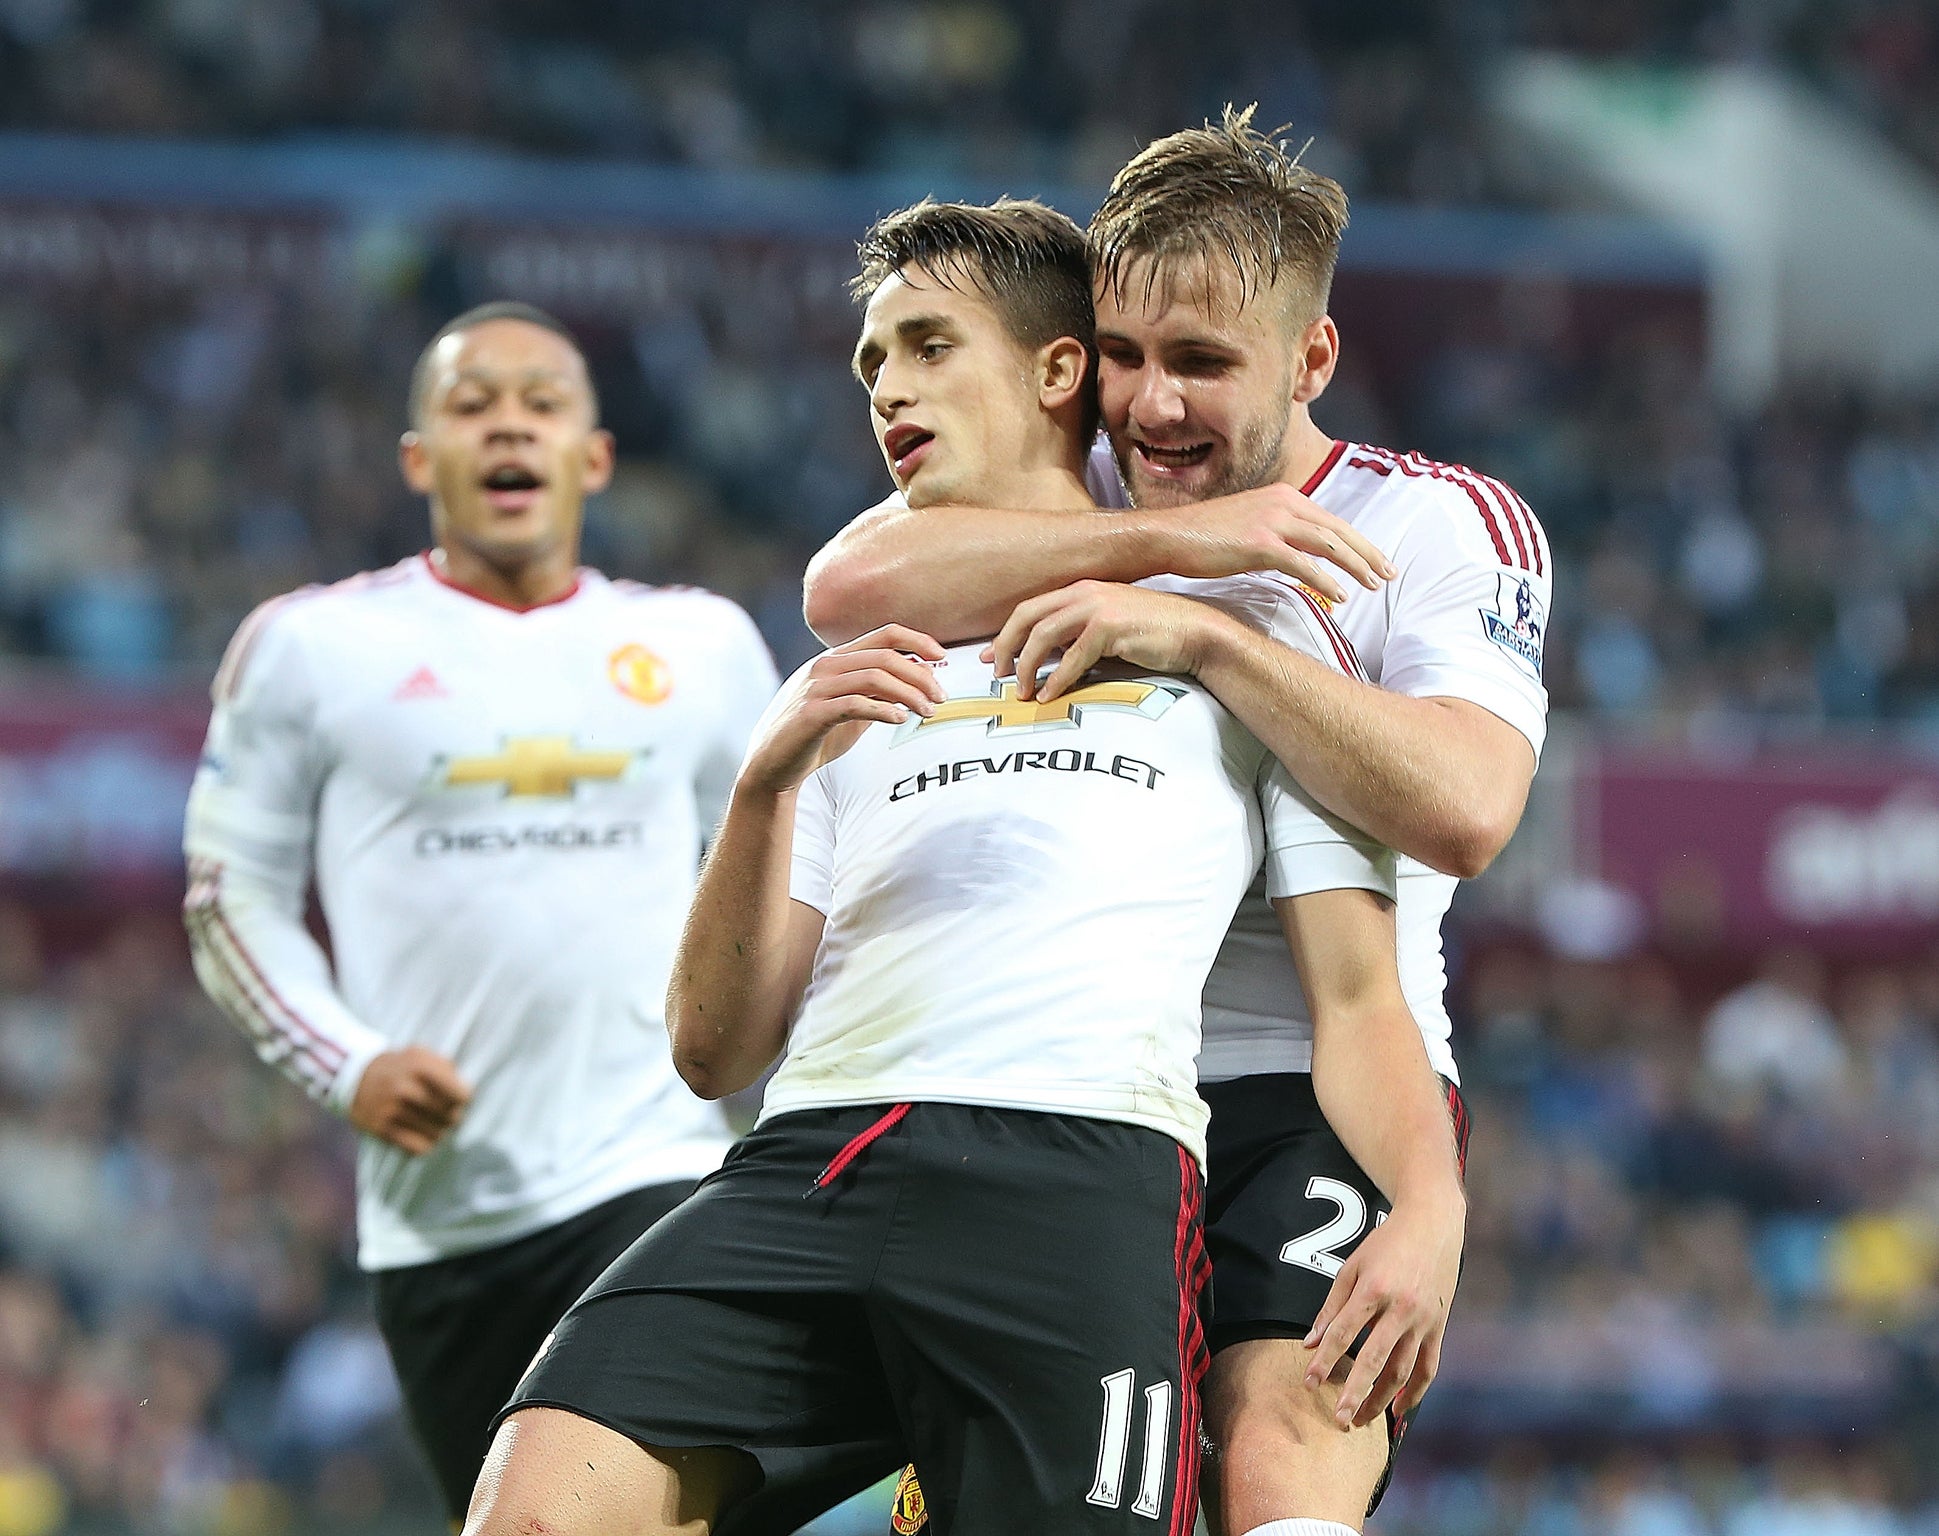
point(545, 405)
point(932, 350)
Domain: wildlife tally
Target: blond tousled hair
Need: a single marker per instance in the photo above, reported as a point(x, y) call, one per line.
point(1223, 191)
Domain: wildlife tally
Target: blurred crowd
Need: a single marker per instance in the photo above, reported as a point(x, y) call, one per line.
point(1062, 90)
point(1703, 1233)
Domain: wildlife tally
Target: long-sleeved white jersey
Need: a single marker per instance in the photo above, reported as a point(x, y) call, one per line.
point(1465, 619)
point(502, 811)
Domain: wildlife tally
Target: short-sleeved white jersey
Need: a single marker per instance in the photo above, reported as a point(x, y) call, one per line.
point(1466, 618)
point(503, 811)
point(1022, 899)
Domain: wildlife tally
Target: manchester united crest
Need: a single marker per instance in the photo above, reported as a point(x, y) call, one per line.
point(910, 1513)
point(639, 674)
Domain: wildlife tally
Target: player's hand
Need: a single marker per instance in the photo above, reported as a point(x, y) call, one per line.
point(1398, 1283)
point(1089, 620)
point(881, 676)
point(409, 1097)
point(1273, 528)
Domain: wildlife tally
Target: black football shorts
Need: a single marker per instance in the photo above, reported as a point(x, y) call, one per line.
point(1008, 1299)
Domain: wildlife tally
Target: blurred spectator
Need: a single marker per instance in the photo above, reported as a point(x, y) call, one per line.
point(1775, 1033)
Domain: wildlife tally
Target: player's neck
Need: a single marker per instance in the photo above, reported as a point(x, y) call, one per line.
point(1057, 488)
point(1305, 450)
point(521, 584)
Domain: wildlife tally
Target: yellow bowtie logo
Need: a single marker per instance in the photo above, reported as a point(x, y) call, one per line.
point(1004, 711)
point(537, 767)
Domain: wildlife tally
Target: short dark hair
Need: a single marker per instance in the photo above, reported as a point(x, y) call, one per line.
point(1024, 256)
point(1224, 189)
point(482, 314)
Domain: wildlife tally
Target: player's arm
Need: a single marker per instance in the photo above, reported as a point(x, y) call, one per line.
point(1440, 777)
point(749, 946)
point(1385, 1103)
point(961, 574)
point(251, 818)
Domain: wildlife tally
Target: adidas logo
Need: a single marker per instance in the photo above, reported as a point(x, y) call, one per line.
point(421, 684)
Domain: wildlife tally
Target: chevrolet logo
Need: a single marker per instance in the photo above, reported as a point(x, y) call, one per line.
point(1004, 711)
point(539, 767)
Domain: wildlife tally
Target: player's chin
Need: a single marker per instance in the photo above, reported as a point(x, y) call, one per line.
point(1166, 489)
point(514, 539)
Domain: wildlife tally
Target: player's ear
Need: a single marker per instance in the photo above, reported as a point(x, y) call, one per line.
point(1063, 372)
point(1316, 355)
point(415, 463)
point(599, 461)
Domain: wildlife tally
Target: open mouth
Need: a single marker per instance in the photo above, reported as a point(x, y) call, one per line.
point(512, 487)
point(904, 444)
point(1173, 460)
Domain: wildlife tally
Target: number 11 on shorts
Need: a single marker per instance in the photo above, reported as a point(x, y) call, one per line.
point(1114, 1444)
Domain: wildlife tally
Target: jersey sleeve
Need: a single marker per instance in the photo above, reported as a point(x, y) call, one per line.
point(745, 682)
point(1469, 612)
point(1308, 848)
point(811, 869)
point(248, 838)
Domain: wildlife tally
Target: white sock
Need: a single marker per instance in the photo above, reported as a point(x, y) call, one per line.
point(1302, 1528)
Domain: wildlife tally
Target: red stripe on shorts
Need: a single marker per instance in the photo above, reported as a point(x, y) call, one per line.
point(1192, 1267)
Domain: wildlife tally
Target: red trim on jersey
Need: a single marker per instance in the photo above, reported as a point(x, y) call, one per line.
point(228, 676)
point(1192, 1268)
point(324, 1051)
point(1507, 516)
point(205, 897)
point(1326, 468)
point(857, 1145)
point(457, 586)
point(320, 1069)
point(1416, 467)
point(1343, 651)
point(1534, 524)
point(1458, 1113)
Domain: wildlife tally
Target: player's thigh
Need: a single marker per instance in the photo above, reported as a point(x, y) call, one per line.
point(551, 1470)
point(1276, 1451)
point(1041, 1327)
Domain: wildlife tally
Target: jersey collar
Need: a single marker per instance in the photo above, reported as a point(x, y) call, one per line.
point(436, 567)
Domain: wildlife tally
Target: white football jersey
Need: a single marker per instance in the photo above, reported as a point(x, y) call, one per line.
point(503, 811)
point(1022, 899)
point(1466, 619)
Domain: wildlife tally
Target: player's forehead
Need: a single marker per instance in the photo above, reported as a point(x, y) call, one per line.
point(914, 292)
point(507, 351)
point(1190, 295)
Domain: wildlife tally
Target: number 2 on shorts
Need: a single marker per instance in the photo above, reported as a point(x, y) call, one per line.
point(1114, 1444)
point(1315, 1250)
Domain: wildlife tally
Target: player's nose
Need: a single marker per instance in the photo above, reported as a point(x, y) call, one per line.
point(891, 391)
point(1157, 401)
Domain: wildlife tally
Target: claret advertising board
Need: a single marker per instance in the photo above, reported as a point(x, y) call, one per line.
point(1837, 846)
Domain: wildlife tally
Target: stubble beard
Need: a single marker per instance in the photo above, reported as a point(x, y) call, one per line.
point(1253, 461)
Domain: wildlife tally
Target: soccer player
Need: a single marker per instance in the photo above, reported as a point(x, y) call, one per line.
point(966, 1226)
point(1214, 254)
point(498, 768)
